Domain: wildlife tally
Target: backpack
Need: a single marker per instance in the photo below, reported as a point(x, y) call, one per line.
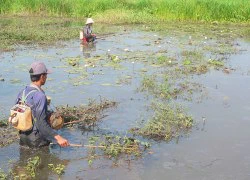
point(21, 114)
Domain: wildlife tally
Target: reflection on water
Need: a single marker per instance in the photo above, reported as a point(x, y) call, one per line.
point(87, 48)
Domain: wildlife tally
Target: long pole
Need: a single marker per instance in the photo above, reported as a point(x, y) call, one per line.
point(92, 146)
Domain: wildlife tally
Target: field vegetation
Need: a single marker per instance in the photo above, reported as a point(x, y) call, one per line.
point(134, 11)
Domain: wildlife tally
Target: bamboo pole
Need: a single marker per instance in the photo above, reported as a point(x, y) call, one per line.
point(81, 145)
point(93, 146)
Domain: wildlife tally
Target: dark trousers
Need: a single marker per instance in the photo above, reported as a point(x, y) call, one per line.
point(32, 139)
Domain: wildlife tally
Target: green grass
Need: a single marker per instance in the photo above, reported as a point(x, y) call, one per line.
point(134, 11)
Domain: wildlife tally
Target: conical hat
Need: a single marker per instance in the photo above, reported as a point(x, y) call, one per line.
point(89, 21)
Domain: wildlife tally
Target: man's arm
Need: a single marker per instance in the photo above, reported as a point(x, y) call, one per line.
point(61, 141)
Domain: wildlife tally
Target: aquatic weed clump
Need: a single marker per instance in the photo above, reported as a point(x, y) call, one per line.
point(85, 115)
point(167, 123)
point(163, 87)
point(115, 147)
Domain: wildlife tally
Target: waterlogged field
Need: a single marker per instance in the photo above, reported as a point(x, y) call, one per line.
point(173, 103)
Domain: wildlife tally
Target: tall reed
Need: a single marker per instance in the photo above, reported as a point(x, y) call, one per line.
point(194, 10)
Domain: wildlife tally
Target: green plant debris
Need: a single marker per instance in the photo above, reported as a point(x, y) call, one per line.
point(168, 122)
point(193, 69)
point(106, 84)
point(162, 88)
point(164, 60)
point(73, 61)
point(194, 55)
point(15, 81)
point(115, 59)
point(3, 176)
point(124, 80)
point(216, 63)
point(32, 165)
point(115, 147)
point(3, 123)
point(85, 115)
point(187, 62)
point(58, 169)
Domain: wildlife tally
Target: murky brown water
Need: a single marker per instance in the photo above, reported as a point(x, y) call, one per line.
point(217, 148)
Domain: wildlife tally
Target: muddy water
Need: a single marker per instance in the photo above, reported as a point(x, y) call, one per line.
point(217, 148)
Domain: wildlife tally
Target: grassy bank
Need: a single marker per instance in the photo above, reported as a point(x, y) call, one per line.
point(25, 30)
point(134, 10)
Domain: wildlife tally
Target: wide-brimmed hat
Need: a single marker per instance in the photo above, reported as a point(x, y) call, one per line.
point(89, 21)
point(38, 68)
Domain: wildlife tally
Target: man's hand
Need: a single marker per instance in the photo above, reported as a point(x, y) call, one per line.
point(61, 141)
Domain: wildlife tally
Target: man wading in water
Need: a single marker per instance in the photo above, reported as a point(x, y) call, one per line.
point(41, 133)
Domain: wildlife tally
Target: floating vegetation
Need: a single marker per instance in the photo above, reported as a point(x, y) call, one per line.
point(168, 122)
point(3, 176)
point(115, 147)
point(161, 88)
point(216, 63)
point(15, 81)
point(124, 80)
point(58, 169)
point(114, 61)
point(189, 69)
point(73, 61)
point(194, 55)
point(164, 60)
point(79, 80)
point(85, 115)
point(32, 165)
point(3, 123)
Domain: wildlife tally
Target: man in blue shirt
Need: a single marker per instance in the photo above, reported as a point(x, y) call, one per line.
point(41, 134)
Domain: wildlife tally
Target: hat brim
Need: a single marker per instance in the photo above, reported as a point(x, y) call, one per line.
point(89, 22)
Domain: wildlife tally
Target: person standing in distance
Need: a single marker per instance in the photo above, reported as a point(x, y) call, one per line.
point(87, 31)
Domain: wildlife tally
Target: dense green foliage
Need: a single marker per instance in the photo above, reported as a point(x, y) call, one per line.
point(134, 10)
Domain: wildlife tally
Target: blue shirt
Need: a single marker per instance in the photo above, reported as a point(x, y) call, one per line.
point(38, 102)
